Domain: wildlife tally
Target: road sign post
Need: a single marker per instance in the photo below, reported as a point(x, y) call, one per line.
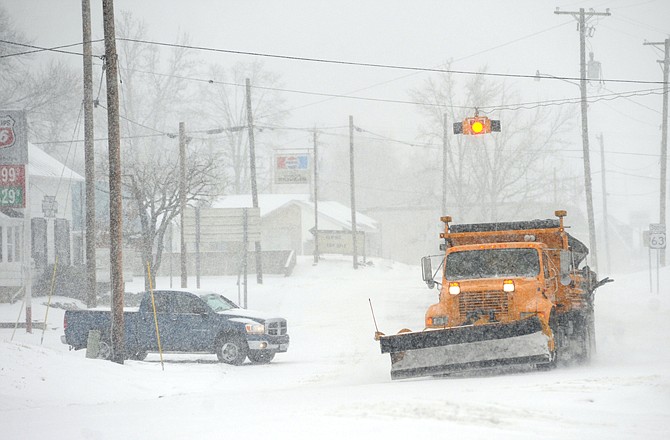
point(657, 240)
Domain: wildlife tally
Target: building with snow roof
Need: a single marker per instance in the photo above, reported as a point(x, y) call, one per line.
point(286, 229)
point(50, 185)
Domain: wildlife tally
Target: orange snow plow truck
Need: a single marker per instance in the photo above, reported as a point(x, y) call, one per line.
point(510, 293)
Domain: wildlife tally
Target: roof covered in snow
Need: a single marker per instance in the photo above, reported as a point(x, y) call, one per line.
point(269, 203)
point(42, 164)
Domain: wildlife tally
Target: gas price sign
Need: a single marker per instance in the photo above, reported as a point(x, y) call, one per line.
point(12, 186)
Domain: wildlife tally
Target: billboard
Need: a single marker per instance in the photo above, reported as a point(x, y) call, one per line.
point(341, 242)
point(292, 168)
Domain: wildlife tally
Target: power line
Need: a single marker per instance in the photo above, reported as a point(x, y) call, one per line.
point(520, 106)
point(43, 49)
point(362, 64)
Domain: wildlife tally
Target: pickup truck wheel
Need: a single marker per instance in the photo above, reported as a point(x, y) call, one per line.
point(261, 357)
point(231, 350)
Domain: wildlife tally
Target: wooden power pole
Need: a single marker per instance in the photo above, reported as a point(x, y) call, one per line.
point(664, 134)
point(582, 17)
point(89, 157)
point(354, 232)
point(115, 206)
point(182, 202)
point(254, 191)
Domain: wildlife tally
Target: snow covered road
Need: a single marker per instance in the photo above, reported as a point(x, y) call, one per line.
point(334, 383)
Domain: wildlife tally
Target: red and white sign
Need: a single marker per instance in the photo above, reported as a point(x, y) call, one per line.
point(7, 136)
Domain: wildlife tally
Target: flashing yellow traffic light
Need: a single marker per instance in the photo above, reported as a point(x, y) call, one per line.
point(476, 125)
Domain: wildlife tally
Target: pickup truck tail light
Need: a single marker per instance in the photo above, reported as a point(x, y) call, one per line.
point(64, 323)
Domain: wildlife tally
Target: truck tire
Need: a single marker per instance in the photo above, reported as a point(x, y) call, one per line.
point(261, 356)
point(231, 350)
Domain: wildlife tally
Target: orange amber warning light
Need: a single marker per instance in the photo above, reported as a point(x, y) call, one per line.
point(476, 125)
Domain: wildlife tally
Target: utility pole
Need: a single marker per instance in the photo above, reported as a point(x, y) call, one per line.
point(89, 157)
point(254, 191)
point(316, 201)
point(445, 145)
point(605, 217)
point(582, 17)
point(353, 192)
point(115, 206)
point(664, 133)
point(182, 202)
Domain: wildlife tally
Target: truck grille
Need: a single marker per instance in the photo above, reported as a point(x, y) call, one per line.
point(276, 327)
point(483, 302)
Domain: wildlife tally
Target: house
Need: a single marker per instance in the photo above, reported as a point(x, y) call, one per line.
point(286, 229)
point(288, 219)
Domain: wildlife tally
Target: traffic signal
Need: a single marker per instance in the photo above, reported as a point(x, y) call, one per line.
point(476, 125)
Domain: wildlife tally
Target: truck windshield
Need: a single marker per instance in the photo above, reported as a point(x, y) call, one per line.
point(218, 303)
point(492, 263)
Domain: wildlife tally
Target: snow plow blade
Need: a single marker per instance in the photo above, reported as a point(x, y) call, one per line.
point(433, 352)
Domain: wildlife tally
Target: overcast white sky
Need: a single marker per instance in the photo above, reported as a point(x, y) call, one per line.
point(516, 37)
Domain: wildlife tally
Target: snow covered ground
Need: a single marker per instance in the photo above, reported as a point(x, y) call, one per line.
point(334, 383)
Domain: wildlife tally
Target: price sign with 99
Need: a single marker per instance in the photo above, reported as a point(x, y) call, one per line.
point(12, 186)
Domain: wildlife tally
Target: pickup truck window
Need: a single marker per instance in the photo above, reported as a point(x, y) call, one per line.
point(161, 300)
point(218, 303)
point(492, 263)
point(186, 303)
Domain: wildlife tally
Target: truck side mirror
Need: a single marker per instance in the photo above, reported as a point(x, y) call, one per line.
point(427, 272)
point(566, 258)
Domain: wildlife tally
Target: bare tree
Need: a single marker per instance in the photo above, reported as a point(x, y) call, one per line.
point(49, 91)
point(224, 106)
point(486, 173)
point(153, 101)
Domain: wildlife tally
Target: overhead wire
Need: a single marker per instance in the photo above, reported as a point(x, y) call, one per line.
point(366, 64)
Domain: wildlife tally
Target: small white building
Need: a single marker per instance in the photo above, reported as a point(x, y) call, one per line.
point(49, 191)
point(288, 219)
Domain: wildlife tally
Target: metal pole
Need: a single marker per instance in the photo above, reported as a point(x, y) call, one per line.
point(171, 250)
point(316, 201)
point(115, 206)
point(658, 277)
point(353, 192)
point(664, 132)
point(245, 252)
point(197, 246)
point(254, 191)
point(89, 156)
point(182, 202)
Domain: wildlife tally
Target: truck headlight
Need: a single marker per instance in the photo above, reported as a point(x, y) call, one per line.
point(437, 321)
point(454, 288)
point(256, 329)
point(508, 286)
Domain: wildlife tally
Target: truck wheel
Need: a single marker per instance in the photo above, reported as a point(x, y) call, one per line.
point(260, 356)
point(231, 350)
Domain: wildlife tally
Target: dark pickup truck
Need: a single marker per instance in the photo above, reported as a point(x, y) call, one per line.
point(194, 321)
